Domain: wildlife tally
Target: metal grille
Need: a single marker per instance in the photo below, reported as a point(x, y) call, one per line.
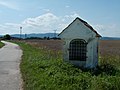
point(77, 50)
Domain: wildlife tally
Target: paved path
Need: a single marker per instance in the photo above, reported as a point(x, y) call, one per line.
point(10, 56)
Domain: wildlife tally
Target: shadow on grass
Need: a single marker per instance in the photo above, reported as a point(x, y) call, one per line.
point(105, 69)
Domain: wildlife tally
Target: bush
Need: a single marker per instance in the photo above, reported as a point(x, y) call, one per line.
point(7, 37)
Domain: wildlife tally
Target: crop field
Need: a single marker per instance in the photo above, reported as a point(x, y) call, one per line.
point(109, 47)
point(106, 47)
point(43, 69)
point(55, 45)
point(110, 52)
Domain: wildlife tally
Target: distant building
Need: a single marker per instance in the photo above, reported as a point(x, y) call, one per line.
point(80, 45)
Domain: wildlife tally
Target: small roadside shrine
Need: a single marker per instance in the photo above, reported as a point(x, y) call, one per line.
point(80, 46)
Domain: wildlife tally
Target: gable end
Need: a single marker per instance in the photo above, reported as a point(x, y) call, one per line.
point(86, 24)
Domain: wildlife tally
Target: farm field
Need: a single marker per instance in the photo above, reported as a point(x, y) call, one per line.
point(43, 69)
point(109, 47)
point(55, 45)
point(106, 47)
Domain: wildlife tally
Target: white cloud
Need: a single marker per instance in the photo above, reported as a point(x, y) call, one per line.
point(110, 30)
point(9, 28)
point(9, 4)
point(42, 24)
point(67, 6)
point(45, 23)
point(73, 15)
point(48, 22)
point(12, 25)
point(46, 10)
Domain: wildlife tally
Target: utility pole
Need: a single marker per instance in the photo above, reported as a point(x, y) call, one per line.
point(25, 36)
point(54, 33)
point(20, 32)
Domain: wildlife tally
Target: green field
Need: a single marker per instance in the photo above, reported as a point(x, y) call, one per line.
point(43, 69)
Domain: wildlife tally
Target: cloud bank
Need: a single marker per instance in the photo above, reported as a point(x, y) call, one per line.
point(9, 4)
point(42, 24)
point(110, 30)
point(49, 22)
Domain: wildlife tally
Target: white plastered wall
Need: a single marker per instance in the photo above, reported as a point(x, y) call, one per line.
point(78, 30)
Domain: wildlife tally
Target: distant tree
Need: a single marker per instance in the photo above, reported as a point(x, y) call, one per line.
point(7, 37)
point(45, 38)
point(48, 38)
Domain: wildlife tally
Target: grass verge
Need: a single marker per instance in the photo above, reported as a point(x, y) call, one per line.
point(41, 70)
point(1, 44)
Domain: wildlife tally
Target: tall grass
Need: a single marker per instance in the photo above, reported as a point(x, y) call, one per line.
point(41, 70)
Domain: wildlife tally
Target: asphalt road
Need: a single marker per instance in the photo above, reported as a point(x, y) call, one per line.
point(10, 56)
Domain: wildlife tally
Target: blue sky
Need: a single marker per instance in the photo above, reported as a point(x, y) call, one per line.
point(44, 16)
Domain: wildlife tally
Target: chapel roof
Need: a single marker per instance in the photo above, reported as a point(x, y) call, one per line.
point(86, 24)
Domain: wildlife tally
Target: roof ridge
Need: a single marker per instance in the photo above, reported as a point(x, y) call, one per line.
point(86, 24)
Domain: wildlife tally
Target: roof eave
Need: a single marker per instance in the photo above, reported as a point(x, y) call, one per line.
point(86, 24)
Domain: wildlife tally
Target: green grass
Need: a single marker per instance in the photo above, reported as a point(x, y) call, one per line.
point(1, 44)
point(41, 70)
